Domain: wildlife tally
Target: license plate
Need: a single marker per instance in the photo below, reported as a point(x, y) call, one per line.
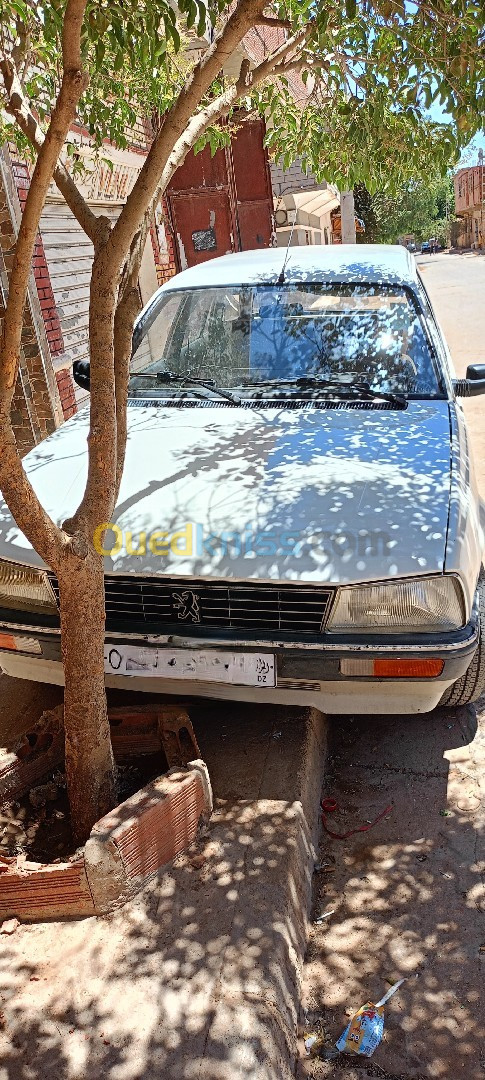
point(209, 665)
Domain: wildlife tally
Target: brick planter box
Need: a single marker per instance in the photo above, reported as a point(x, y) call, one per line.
point(126, 848)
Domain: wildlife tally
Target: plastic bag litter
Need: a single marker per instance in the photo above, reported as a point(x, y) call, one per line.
point(316, 1046)
point(364, 1032)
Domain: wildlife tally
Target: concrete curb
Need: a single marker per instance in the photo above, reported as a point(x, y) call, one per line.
point(267, 849)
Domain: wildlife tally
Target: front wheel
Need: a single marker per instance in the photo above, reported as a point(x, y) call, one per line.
point(472, 683)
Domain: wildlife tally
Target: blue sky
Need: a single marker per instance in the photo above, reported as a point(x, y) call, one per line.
point(470, 153)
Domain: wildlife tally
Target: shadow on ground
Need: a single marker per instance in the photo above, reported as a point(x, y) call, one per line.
point(408, 896)
point(160, 988)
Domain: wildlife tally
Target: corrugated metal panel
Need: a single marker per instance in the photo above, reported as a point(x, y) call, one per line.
point(69, 255)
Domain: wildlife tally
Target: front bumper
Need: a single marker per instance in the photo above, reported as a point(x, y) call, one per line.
point(306, 672)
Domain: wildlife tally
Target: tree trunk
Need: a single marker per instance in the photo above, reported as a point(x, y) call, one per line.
point(90, 768)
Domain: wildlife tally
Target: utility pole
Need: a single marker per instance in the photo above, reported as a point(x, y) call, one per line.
point(347, 212)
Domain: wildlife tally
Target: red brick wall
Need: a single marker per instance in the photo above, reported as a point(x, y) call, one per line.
point(41, 270)
point(47, 300)
point(65, 386)
point(164, 267)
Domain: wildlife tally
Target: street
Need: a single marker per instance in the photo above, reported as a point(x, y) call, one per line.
point(407, 896)
point(456, 285)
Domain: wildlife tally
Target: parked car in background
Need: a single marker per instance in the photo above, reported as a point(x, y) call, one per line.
point(298, 520)
point(426, 248)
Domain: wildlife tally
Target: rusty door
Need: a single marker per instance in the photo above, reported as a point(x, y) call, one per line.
point(222, 203)
point(254, 209)
point(201, 226)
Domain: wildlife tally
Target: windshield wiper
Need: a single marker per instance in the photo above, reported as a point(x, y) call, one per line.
point(312, 382)
point(173, 377)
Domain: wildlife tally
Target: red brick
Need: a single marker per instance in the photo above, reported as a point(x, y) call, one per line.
point(41, 750)
point(42, 279)
point(143, 834)
point(50, 892)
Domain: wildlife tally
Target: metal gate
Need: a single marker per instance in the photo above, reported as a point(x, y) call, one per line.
point(222, 203)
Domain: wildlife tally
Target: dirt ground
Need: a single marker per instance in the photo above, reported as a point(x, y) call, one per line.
point(408, 895)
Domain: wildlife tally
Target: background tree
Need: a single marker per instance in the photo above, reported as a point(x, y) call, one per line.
point(419, 208)
point(372, 69)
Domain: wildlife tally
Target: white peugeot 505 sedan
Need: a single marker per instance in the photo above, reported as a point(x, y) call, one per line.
point(298, 520)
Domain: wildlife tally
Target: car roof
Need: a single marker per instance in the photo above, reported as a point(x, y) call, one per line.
point(373, 263)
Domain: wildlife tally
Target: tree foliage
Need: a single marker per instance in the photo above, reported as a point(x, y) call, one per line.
point(420, 208)
point(374, 69)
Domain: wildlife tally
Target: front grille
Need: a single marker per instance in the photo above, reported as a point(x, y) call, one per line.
point(162, 605)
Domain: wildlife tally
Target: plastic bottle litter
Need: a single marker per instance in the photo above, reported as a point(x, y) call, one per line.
point(365, 1030)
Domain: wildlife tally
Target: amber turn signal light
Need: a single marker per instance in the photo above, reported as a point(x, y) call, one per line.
point(393, 668)
point(14, 642)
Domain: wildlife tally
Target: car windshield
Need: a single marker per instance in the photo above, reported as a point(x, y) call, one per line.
point(244, 337)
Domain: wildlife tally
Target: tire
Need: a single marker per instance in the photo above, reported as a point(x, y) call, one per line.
point(472, 683)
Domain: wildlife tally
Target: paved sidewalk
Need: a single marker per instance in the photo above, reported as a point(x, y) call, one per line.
point(199, 976)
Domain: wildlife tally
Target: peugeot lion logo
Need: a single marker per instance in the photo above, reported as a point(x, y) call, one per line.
point(186, 604)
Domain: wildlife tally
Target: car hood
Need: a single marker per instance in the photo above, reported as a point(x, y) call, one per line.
point(312, 494)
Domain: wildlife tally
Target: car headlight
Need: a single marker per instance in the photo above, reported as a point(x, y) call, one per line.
point(422, 605)
point(24, 589)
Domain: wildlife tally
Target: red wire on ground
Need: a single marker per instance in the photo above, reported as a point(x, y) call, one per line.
point(329, 806)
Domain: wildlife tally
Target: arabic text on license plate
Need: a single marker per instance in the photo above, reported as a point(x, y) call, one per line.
point(210, 665)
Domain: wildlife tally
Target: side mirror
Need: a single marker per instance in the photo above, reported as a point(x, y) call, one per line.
point(474, 384)
point(80, 373)
point(475, 371)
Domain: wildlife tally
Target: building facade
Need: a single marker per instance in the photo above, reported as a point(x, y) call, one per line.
point(302, 206)
point(469, 184)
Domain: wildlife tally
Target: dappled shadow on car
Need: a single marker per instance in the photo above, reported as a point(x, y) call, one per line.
point(285, 494)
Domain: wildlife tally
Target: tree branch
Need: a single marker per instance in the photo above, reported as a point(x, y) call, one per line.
point(277, 24)
point(179, 132)
point(283, 53)
point(97, 502)
point(245, 15)
point(126, 313)
point(16, 488)
point(247, 80)
point(292, 65)
point(18, 108)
